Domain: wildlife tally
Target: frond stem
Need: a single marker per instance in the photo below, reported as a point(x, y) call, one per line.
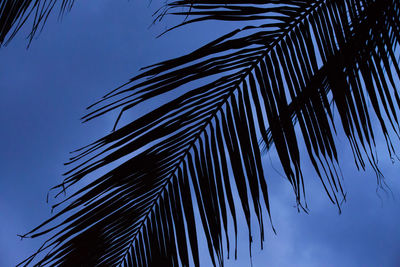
point(209, 120)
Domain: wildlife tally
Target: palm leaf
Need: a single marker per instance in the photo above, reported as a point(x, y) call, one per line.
point(15, 13)
point(297, 61)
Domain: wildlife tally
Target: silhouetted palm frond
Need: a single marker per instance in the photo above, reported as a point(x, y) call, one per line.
point(296, 61)
point(14, 14)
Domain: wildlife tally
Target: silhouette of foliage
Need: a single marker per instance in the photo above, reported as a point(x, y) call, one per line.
point(14, 14)
point(278, 78)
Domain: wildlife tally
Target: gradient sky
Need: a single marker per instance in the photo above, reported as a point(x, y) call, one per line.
point(95, 48)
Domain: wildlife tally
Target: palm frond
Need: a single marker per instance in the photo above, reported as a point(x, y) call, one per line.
point(15, 13)
point(302, 61)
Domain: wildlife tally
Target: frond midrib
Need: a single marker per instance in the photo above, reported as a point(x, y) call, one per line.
point(212, 116)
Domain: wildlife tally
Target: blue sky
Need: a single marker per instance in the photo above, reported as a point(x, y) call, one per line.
point(46, 88)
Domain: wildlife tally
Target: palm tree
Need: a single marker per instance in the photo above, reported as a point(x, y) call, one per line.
point(275, 80)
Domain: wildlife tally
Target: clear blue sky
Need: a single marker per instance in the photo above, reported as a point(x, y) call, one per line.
point(94, 49)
